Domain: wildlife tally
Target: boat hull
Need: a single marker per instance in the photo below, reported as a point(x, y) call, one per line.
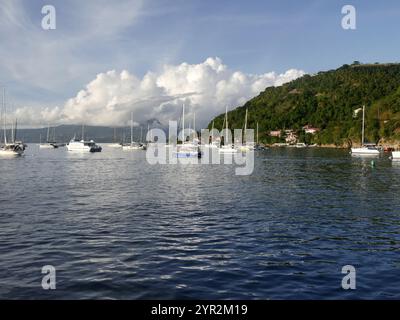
point(396, 155)
point(84, 149)
point(131, 148)
point(48, 146)
point(10, 153)
point(364, 151)
point(114, 145)
point(227, 150)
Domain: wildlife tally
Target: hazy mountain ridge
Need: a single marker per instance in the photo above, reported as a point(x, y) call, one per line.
point(65, 133)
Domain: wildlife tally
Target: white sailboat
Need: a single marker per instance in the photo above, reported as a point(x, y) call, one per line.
point(115, 144)
point(246, 146)
point(258, 146)
point(48, 144)
point(227, 147)
point(133, 145)
point(13, 148)
point(213, 144)
point(188, 149)
point(76, 145)
point(365, 149)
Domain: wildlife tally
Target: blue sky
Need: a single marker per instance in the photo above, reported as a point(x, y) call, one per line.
point(45, 68)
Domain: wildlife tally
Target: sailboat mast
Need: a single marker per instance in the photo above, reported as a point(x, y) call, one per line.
point(48, 133)
point(226, 116)
point(5, 113)
point(183, 123)
point(131, 127)
point(226, 137)
point(363, 127)
point(245, 126)
point(15, 130)
point(212, 131)
point(141, 134)
point(83, 132)
point(188, 131)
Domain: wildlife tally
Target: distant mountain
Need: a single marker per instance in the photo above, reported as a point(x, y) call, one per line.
point(327, 101)
point(64, 133)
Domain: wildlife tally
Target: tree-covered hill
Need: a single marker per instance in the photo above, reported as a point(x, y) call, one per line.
point(327, 101)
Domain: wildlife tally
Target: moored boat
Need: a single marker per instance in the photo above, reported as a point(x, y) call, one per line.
point(48, 144)
point(133, 145)
point(227, 148)
point(395, 155)
point(188, 149)
point(82, 145)
point(13, 148)
point(366, 148)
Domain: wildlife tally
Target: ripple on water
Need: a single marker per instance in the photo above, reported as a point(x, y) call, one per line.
point(116, 227)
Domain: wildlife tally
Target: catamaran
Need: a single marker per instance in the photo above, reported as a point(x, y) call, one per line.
point(77, 145)
point(227, 147)
point(13, 148)
point(365, 149)
point(133, 145)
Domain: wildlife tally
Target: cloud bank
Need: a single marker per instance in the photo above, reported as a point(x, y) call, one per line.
point(205, 89)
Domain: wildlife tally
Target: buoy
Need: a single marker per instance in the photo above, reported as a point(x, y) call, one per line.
point(372, 163)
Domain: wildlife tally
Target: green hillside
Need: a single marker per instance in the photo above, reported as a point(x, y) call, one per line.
point(327, 101)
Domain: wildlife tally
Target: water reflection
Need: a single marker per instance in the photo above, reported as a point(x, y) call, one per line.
point(118, 227)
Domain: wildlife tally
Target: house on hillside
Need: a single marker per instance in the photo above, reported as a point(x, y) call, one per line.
point(275, 133)
point(290, 137)
point(310, 129)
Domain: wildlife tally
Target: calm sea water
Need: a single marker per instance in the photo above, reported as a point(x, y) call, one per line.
point(114, 226)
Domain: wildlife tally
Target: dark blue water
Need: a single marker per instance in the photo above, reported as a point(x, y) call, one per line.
point(114, 226)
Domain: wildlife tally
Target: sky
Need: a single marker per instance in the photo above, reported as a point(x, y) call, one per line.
point(108, 58)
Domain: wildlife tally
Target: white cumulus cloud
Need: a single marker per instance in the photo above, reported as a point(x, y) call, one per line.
point(205, 89)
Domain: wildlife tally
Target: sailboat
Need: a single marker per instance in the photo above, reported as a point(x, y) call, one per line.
point(48, 144)
point(246, 146)
point(365, 149)
point(227, 147)
point(188, 149)
point(133, 145)
point(115, 144)
point(13, 148)
point(149, 139)
point(212, 144)
point(258, 146)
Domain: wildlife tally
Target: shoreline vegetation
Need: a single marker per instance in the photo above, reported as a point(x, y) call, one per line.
point(323, 109)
